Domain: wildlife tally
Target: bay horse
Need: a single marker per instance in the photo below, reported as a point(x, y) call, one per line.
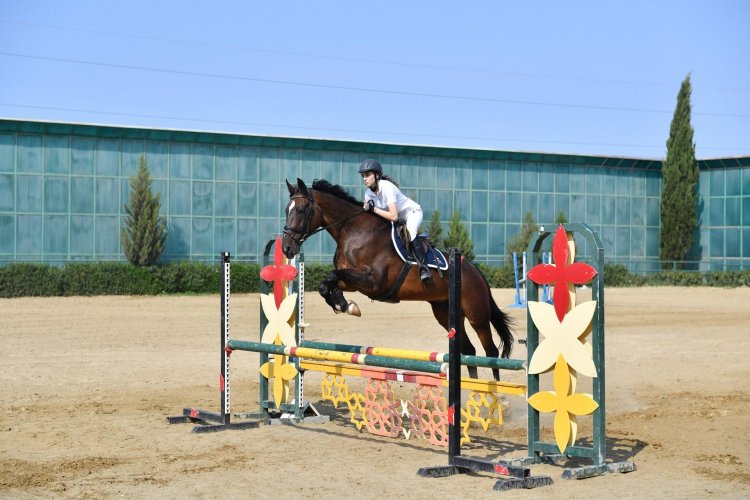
point(365, 261)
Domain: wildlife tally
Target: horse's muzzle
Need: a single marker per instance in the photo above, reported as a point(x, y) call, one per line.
point(289, 251)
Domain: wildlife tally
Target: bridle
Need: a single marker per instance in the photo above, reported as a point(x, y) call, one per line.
point(306, 226)
point(304, 231)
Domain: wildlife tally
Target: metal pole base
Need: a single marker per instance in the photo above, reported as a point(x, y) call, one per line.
point(519, 477)
point(598, 470)
point(439, 471)
point(204, 420)
point(287, 415)
point(525, 483)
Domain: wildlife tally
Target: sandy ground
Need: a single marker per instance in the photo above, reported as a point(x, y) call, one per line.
point(86, 385)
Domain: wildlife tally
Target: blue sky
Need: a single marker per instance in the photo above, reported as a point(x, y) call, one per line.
point(586, 77)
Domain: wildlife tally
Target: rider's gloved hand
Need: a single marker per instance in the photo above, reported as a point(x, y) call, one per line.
point(369, 206)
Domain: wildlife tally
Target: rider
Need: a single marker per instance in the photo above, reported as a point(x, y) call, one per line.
point(384, 198)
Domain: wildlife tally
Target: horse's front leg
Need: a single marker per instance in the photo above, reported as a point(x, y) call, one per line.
point(333, 294)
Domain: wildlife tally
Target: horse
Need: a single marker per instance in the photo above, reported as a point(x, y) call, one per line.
point(365, 261)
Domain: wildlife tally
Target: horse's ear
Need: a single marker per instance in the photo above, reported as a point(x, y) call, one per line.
point(301, 186)
point(291, 188)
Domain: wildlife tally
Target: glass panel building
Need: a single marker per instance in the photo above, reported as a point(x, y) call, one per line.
point(63, 187)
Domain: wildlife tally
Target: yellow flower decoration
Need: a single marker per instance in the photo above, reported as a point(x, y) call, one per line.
point(564, 404)
point(562, 339)
point(282, 372)
point(573, 385)
point(278, 319)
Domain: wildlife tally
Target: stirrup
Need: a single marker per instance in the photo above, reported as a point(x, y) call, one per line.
point(425, 275)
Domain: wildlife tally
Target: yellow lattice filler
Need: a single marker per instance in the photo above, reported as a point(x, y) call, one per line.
point(334, 388)
point(484, 408)
point(382, 414)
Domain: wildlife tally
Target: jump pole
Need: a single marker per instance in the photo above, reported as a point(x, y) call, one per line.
point(212, 421)
point(478, 361)
point(546, 294)
point(341, 357)
point(519, 477)
point(427, 379)
point(520, 298)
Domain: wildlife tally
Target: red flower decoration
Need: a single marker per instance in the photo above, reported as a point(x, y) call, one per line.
point(279, 273)
point(561, 273)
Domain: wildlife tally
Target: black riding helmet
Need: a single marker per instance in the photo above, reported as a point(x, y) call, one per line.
point(371, 165)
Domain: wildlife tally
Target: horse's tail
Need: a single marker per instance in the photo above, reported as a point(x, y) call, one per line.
point(502, 323)
point(499, 320)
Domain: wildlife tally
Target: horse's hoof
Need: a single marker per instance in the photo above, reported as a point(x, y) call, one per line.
point(353, 309)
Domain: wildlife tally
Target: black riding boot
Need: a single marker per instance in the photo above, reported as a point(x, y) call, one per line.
point(424, 271)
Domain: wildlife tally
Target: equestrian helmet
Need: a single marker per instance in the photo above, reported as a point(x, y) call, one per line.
point(371, 165)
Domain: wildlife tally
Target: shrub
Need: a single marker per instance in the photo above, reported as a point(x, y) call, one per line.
point(314, 274)
point(194, 277)
point(498, 277)
point(676, 278)
point(108, 278)
point(30, 280)
point(727, 278)
point(245, 277)
point(617, 275)
point(119, 278)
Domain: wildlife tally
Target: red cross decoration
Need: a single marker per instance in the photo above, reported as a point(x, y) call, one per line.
point(279, 272)
point(560, 273)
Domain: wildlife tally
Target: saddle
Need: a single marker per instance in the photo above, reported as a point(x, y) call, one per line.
point(434, 258)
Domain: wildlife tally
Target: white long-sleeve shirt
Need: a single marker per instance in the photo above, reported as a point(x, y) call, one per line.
point(388, 193)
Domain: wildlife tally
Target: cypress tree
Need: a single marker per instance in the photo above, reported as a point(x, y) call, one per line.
point(458, 237)
point(435, 229)
point(145, 232)
point(520, 242)
point(680, 175)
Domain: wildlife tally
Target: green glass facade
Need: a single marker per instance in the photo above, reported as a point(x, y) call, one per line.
point(724, 213)
point(63, 188)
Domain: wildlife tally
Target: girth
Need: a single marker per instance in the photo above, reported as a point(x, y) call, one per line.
point(390, 295)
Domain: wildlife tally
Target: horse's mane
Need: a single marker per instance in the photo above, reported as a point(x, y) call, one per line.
point(324, 186)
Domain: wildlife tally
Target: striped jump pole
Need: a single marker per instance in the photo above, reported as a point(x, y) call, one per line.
point(421, 378)
point(478, 361)
point(341, 357)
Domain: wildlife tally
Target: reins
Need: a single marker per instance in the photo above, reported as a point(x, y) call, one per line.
point(308, 216)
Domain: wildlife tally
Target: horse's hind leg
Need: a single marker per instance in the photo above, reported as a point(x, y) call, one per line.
point(440, 311)
point(476, 302)
point(484, 332)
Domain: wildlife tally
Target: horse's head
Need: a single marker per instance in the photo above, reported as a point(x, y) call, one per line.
point(299, 217)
